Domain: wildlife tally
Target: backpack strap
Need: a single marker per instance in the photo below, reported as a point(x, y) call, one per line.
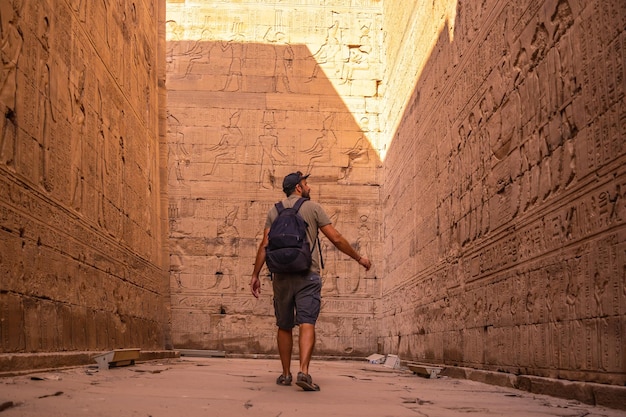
point(280, 207)
point(319, 245)
point(299, 203)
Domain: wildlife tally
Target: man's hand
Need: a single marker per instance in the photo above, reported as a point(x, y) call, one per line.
point(255, 286)
point(365, 263)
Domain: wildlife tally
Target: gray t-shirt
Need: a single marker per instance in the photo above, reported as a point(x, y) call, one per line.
point(314, 215)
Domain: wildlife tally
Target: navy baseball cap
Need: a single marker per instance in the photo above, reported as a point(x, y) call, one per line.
point(293, 179)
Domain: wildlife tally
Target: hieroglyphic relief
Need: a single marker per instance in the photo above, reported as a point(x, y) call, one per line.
point(45, 111)
point(178, 153)
point(346, 31)
point(502, 115)
point(341, 277)
point(320, 151)
point(199, 52)
point(101, 169)
point(10, 48)
point(228, 235)
point(284, 57)
point(358, 57)
point(77, 79)
point(570, 224)
point(272, 155)
point(233, 50)
point(175, 34)
point(358, 154)
point(332, 53)
point(330, 258)
point(363, 281)
point(227, 147)
point(206, 260)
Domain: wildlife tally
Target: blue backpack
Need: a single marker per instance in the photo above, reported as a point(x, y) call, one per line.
point(288, 249)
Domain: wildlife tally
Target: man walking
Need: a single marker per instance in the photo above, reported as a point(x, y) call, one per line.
point(297, 296)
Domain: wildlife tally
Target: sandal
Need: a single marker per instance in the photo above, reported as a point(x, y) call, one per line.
point(305, 382)
point(284, 380)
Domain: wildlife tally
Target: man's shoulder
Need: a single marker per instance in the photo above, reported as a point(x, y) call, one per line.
point(311, 204)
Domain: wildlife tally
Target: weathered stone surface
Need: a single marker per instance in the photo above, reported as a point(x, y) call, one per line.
point(82, 266)
point(515, 132)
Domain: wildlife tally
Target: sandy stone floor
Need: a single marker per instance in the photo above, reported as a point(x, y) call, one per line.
point(220, 387)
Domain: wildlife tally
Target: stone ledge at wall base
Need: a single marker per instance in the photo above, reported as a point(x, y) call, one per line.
point(425, 370)
point(12, 364)
point(604, 395)
point(202, 353)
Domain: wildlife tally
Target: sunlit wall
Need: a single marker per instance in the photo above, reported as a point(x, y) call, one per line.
point(504, 221)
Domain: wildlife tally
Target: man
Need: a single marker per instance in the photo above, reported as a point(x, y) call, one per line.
point(297, 297)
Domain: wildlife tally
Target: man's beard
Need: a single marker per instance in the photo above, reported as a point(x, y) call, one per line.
point(306, 194)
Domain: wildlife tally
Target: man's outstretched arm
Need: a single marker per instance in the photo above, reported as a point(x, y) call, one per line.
point(343, 245)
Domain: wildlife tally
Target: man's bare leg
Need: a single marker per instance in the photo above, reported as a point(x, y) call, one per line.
point(306, 344)
point(285, 347)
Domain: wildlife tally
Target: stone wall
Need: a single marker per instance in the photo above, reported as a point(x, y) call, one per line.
point(257, 90)
point(473, 150)
point(508, 167)
point(81, 247)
